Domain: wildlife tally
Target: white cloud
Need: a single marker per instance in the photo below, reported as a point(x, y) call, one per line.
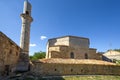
point(32, 45)
point(43, 37)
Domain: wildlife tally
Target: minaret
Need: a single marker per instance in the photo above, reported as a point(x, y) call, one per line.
point(25, 32)
point(23, 62)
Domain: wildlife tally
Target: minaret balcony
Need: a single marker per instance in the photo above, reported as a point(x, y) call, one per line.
point(26, 16)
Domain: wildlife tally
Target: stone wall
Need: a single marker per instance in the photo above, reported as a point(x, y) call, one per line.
point(79, 53)
point(70, 67)
point(59, 41)
point(78, 42)
point(72, 42)
point(65, 52)
point(94, 55)
point(69, 41)
point(9, 52)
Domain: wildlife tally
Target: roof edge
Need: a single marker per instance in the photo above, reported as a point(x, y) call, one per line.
point(68, 36)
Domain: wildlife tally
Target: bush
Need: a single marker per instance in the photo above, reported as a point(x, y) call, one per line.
point(38, 55)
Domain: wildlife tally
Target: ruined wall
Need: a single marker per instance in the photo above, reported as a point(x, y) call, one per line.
point(47, 69)
point(9, 52)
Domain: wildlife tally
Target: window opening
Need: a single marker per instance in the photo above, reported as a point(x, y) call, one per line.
point(71, 55)
point(27, 12)
point(71, 70)
point(86, 56)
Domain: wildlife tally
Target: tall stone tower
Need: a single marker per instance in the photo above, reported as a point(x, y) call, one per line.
point(23, 62)
point(25, 32)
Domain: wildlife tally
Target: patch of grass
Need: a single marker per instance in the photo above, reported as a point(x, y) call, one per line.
point(99, 77)
point(81, 77)
point(93, 78)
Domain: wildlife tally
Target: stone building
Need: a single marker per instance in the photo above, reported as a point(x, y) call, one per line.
point(71, 55)
point(111, 55)
point(68, 55)
point(71, 47)
point(13, 57)
point(23, 64)
point(9, 54)
point(61, 67)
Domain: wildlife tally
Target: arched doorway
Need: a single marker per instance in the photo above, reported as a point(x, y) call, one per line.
point(86, 56)
point(71, 55)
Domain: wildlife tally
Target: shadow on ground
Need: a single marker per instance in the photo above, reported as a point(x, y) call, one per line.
point(52, 78)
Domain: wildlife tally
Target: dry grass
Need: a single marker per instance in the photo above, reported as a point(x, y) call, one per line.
point(93, 78)
point(99, 77)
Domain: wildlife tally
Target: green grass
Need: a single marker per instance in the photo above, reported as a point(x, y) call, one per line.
point(93, 78)
point(99, 77)
point(83, 78)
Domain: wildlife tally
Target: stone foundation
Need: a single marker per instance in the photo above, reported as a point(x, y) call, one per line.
point(74, 67)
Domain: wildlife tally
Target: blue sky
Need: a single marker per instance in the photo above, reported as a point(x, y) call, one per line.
point(98, 20)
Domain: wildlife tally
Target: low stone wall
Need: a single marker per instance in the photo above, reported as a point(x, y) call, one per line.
point(55, 69)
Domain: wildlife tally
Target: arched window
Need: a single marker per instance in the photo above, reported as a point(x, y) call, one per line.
point(71, 70)
point(10, 51)
point(16, 53)
point(55, 69)
point(86, 56)
point(27, 12)
point(71, 55)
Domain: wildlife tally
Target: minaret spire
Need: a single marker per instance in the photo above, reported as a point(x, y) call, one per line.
point(26, 21)
point(26, 0)
point(25, 36)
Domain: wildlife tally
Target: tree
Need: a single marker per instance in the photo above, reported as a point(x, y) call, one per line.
point(38, 55)
point(117, 50)
point(114, 50)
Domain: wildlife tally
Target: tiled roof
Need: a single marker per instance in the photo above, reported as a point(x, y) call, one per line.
point(74, 61)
